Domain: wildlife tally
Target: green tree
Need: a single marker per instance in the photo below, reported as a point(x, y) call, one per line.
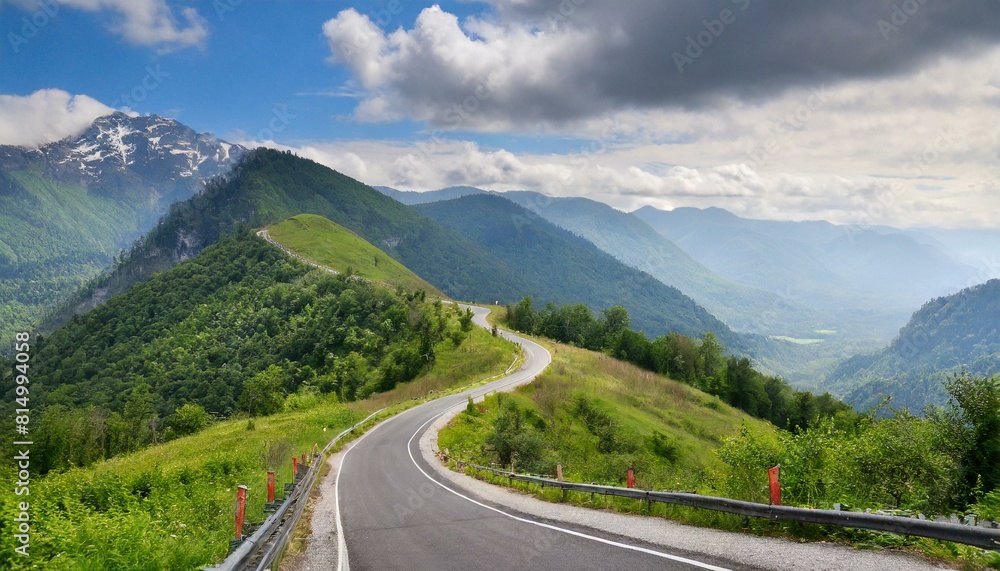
point(976, 405)
point(893, 459)
point(189, 419)
point(263, 393)
point(511, 440)
point(745, 389)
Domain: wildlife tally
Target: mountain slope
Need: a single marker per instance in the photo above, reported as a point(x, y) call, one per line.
point(412, 197)
point(562, 268)
point(635, 243)
point(866, 281)
point(201, 331)
point(268, 186)
point(67, 208)
point(821, 260)
point(947, 335)
point(332, 246)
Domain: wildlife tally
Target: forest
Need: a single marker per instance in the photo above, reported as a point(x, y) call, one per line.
point(233, 331)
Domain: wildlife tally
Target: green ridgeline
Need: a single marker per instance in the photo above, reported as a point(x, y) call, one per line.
point(330, 245)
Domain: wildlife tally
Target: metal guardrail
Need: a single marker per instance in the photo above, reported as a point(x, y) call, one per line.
point(986, 538)
point(265, 546)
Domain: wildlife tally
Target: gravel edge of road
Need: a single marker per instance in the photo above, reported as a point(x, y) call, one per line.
point(321, 545)
point(742, 549)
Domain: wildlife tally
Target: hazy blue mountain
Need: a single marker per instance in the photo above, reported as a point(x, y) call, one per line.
point(945, 336)
point(562, 268)
point(823, 264)
point(635, 243)
point(412, 197)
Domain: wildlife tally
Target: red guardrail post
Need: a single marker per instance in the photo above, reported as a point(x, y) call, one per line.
point(775, 485)
point(270, 487)
point(630, 480)
point(295, 466)
point(241, 506)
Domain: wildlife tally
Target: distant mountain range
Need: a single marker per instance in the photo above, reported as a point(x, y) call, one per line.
point(562, 268)
point(822, 264)
point(945, 336)
point(67, 208)
point(800, 280)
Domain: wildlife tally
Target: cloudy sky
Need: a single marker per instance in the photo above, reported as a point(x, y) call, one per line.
point(862, 111)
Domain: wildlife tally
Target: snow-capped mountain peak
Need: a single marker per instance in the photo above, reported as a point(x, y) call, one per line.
point(154, 149)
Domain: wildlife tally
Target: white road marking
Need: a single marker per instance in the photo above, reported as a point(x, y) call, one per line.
point(677, 558)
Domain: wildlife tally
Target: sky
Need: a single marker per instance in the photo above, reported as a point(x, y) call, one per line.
point(856, 111)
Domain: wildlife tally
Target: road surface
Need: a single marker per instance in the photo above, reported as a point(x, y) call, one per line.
point(397, 513)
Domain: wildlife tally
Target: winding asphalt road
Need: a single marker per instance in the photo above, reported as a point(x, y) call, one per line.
point(396, 513)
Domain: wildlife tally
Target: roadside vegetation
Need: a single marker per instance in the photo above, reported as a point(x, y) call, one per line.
point(702, 364)
point(597, 416)
point(170, 506)
point(149, 410)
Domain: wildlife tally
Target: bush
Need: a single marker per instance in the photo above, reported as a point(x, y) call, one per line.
point(189, 419)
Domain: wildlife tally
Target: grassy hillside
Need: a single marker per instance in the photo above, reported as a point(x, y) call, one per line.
point(598, 416)
point(562, 268)
point(54, 237)
point(946, 336)
point(267, 187)
point(332, 246)
point(170, 506)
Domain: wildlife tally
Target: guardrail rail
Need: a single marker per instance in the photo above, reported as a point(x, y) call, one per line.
point(983, 537)
point(264, 547)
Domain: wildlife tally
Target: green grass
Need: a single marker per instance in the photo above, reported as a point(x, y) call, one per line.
point(692, 425)
point(644, 406)
point(333, 246)
point(170, 506)
point(479, 358)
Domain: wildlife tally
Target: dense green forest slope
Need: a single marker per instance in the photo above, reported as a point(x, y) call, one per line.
point(233, 330)
point(946, 336)
point(54, 237)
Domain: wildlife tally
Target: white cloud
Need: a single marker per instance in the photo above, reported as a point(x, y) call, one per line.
point(45, 116)
point(542, 63)
point(140, 22)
